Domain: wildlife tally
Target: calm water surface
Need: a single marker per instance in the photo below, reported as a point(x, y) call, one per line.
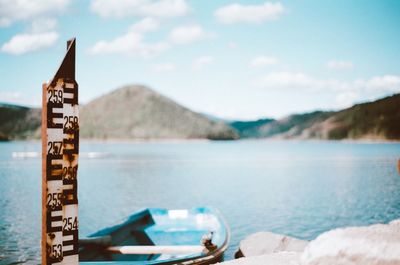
point(297, 188)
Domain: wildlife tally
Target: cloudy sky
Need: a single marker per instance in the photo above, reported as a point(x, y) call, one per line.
point(233, 59)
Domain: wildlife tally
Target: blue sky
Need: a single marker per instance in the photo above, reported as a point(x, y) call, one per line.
point(232, 59)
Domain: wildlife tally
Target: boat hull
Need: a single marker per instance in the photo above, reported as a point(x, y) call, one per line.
point(160, 229)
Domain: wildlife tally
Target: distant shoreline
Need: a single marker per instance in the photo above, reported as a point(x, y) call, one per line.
point(142, 115)
point(200, 140)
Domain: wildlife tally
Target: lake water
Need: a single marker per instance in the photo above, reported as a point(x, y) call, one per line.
point(296, 188)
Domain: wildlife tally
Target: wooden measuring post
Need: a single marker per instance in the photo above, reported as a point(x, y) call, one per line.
point(60, 150)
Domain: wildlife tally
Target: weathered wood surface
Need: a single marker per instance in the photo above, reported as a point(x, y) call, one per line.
point(60, 150)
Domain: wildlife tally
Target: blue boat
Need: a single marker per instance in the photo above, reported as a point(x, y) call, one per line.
point(160, 236)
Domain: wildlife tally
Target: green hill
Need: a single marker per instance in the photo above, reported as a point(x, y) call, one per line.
point(137, 112)
point(373, 120)
point(18, 122)
point(248, 129)
point(379, 119)
point(133, 112)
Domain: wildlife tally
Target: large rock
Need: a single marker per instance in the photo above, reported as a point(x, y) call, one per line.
point(371, 245)
point(395, 222)
point(281, 258)
point(262, 243)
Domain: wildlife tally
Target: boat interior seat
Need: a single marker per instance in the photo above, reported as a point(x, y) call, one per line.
point(135, 237)
point(175, 237)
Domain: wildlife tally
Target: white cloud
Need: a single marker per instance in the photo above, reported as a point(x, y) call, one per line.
point(386, 82)
point(18, 10)
point(340, 65)
point(346, 98)
point(187, 34)
point(29, 42)
point(141, 8)
point(163, 67)
point(133, 42)
point(235, 13)
point(43, 25)
point(389, 83)
point(347, 92)
point(287, 79)
point(40, 35)
point(261, 61)
point(202, 61)
point(147, 24)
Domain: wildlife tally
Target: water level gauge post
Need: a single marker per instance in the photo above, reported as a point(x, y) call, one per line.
point(60, 151)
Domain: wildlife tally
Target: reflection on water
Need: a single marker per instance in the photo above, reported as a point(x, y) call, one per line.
point(295, 188)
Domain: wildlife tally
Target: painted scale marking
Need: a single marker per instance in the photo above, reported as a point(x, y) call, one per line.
point(62, 133)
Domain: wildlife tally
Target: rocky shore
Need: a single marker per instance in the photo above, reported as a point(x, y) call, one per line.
point(377, 244)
